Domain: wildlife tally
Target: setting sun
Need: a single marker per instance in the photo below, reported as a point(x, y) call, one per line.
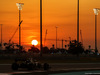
point(34, 42)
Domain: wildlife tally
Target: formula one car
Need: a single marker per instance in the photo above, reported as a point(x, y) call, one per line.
point(28, 64)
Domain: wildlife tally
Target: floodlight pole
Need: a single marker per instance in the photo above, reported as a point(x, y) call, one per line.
point(1, 35)
point(40, 27)
point(56, 37)
point(78, 22)
point(19, 28)
point(96, 11)
point(96, 34)
point(19, 8)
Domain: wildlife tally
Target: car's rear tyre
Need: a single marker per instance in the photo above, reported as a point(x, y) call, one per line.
point(39, 65)
point(46, 66)
point(15, 66)
point(30, 66)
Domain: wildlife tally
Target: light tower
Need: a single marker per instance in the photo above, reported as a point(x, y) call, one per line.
point(96, 11)
point(41, 27)
point(1, 35)
point(20, 8)
point(56, 37)
point(78, 21)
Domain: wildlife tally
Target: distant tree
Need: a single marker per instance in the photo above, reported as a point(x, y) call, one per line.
point(63, 51)
point(11, 47)
point(45, 50)
point(75, 48)
point(87, 51)
point(52, 50)
point(8, 46)
point(34, 49)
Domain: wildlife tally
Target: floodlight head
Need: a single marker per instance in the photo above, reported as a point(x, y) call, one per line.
point(20, 5)
point(96, 11)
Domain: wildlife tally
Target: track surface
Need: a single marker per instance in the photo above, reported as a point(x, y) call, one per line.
point(6, 68)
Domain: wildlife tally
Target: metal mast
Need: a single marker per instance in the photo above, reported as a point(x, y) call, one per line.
point(56, 37)
point(1, 35)
point(78, 22)
point(20, 8)
point(96, 11)
point(41, 27)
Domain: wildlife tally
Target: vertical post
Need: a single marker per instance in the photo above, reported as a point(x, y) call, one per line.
point(41, 27)
point(1, 35)
point(20, 8)
point(96, 34)
point(56, 37)
point(19, 27)
point(78, 22)
point(62, 43)
point(81, 36)
point(96, 11)
point(45, 37)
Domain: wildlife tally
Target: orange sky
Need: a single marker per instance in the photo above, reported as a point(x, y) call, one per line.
point(61, 13)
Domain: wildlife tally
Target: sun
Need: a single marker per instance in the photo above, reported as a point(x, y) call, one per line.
point(34, 42)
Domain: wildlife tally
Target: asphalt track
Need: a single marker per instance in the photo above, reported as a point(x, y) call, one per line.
point(5, 69)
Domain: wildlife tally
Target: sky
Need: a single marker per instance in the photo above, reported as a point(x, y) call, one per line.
point(60, 13)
